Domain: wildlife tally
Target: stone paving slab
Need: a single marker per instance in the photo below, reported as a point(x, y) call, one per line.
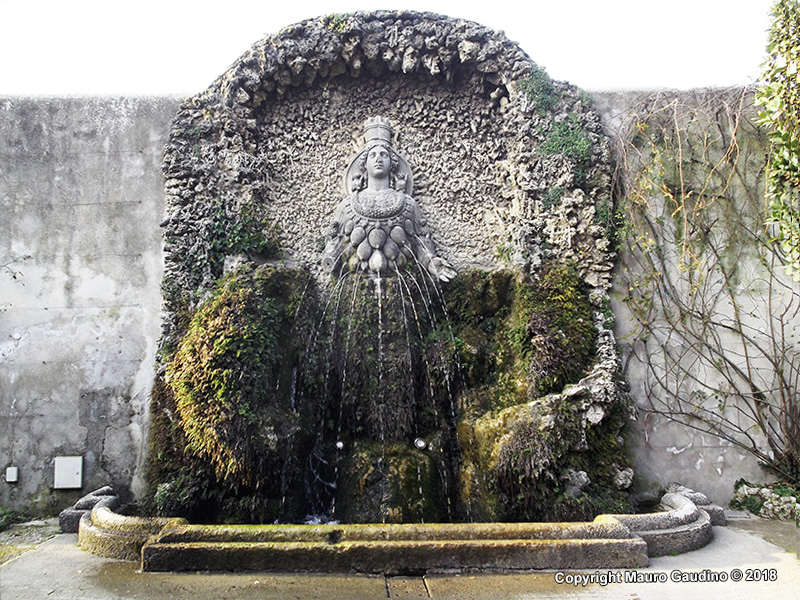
point(59, 570)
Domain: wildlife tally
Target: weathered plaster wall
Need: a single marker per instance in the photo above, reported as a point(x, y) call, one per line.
point(718, 164)
point(81, 194)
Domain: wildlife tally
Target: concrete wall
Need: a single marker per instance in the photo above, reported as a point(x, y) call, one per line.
point(81, 194)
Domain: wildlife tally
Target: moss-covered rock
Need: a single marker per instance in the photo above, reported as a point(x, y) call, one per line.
point(535, 446)
point(227, 430)
point(395, 483)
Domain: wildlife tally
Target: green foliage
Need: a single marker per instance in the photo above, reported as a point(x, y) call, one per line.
point(552, 197)
point(10, 517)
point(505, 252)
point(752, 503)
point(569, 139)
point(779, 98)
point(539, 88)
point(337, 22)
point(241, 229)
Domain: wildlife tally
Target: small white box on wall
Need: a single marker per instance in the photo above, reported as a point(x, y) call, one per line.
point(68, 473)
point(12, 474)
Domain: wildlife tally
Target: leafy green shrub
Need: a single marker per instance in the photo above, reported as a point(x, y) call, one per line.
point(779, 98)
point(569, 139)
point(10, 517)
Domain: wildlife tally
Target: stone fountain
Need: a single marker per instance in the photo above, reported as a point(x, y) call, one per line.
point(385, 298)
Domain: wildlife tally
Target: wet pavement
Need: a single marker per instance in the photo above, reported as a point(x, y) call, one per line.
point(739, 563)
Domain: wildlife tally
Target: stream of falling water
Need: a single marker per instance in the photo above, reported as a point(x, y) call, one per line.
point(382, 403)
point(412, 305)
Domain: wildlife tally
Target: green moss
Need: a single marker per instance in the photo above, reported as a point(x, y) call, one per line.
point(224, 434)
point(517, 339)
point(539, 88)
point(522, 342)
point(515, 461)
point(560, 336)
point(228, 363)
point(391, 483)
point(569, 139)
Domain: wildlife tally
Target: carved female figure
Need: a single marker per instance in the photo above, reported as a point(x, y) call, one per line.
point(377, 228)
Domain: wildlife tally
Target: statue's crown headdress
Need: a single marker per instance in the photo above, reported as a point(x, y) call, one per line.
point(378, 131)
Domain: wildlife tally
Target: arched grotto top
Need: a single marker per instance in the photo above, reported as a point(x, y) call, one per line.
point(510, 167)
point(489, 165)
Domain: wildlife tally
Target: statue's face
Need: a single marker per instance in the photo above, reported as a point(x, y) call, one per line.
point(379, 162)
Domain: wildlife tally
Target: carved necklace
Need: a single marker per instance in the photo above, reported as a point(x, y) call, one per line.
point(378, 205)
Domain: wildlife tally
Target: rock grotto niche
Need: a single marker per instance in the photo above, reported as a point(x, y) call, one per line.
point(428, 341)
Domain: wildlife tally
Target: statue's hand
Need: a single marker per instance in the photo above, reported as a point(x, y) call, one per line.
point(441, 269)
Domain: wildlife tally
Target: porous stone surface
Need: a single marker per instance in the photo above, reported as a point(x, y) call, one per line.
point(770, 504)
point(679, 527)
point(277, 130)
point(106, 533)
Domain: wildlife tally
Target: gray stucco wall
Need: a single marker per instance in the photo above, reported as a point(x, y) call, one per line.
point(81, 194)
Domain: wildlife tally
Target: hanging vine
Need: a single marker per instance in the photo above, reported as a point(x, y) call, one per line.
point(714, 315)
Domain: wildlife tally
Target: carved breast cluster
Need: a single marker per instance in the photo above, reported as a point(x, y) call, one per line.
point(379, 231)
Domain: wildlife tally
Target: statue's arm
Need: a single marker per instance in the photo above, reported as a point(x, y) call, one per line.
point(436, 265)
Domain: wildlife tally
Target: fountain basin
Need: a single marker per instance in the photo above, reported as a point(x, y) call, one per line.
point(395, 548)
point(607, 542)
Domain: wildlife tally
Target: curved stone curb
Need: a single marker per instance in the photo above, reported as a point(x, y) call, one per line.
point(680, 539)
point(69, 519)
point(716, 512)
point(108, 534)
point(610, 541)
point(682, 528)
point(393, 549)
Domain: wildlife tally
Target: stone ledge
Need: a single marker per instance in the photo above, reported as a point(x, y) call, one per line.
point(603, 527)
point(610, 541)
point(397, 557)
